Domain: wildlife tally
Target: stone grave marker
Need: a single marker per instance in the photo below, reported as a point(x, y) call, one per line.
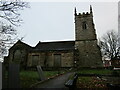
point(40, 72)
point(0, 75)
point(13, 76)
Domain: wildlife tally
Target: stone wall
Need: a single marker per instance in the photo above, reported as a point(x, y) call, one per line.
point(46, 59)
point(89, 54)
point(18, 54)
point(81, 33)
point(68, 59)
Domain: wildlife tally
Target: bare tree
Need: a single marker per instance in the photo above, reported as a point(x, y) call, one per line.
point(7, 37)
point(109, 45)
point(9, 10)
point(10, 17)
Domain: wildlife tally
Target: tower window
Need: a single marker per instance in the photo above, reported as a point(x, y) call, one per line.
point(84, 25)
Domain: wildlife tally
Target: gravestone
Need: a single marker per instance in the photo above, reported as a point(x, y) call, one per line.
point(40, 72)
point(13, 76)
point(0, 75)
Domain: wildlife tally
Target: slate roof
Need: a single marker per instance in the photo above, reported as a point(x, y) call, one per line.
point(59, 45)
point(24, 45)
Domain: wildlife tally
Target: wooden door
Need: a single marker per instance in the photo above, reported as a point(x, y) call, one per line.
point(57, 60)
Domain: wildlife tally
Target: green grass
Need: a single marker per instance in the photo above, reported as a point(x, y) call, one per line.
point(94, 71)
point(90, 82)
point(28, 78)
point(49, 74)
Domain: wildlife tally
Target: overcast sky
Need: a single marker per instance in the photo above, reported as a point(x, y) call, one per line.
point(119, 20)
point(54, 21)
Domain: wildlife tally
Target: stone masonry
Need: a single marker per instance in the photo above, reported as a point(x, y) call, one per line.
point(83, 52)
point(86, 42)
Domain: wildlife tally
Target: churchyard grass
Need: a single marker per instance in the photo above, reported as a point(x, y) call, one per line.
point(28, 78)
point(92, 81)
point(95, 71)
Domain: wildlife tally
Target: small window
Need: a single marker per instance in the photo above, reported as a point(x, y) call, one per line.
point(84, 25)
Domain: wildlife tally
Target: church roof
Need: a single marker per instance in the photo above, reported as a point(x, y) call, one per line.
point(59, 45)
point(21, 44)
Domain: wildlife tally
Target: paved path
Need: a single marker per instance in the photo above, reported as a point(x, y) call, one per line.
point(57, 82)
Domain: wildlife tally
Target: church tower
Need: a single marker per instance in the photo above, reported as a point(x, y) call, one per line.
point(88, 52)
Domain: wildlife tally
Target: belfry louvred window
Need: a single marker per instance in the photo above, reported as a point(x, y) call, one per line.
point(84, 25)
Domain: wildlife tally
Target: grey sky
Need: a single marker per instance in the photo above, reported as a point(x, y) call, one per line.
point(119, 21)
point(54, 21)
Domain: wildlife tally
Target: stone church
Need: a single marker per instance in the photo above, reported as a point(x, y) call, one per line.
point(83, 52)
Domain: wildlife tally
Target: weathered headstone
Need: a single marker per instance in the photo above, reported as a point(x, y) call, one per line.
point(40, 72)
point(0, 75)
point(13, 76)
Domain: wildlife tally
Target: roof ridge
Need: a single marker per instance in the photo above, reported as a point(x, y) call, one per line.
point(56, 41)
point(59, 45)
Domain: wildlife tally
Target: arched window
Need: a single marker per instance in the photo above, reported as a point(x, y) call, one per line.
point(84, 25)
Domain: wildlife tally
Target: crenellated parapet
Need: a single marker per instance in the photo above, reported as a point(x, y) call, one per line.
point(84, 14)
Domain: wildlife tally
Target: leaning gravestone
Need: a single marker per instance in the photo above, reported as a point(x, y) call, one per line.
point(0, 75)
point(40, 72)
point(13, 76)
